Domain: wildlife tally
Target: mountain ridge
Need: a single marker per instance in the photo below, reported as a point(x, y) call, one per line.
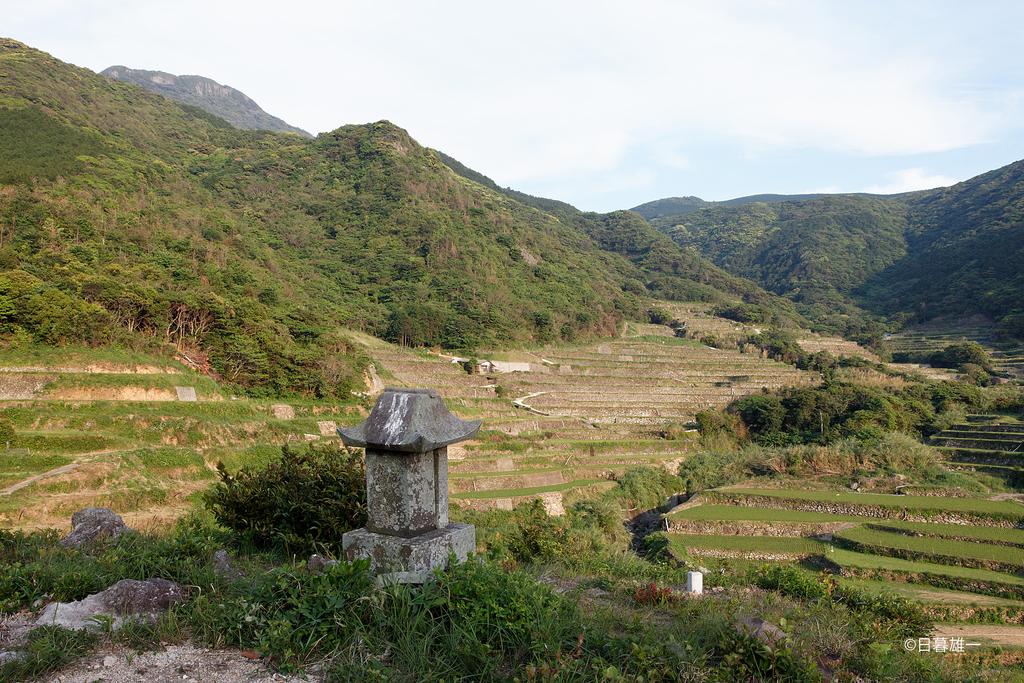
point(165, 228)
point(223, 101)
point(848, 259)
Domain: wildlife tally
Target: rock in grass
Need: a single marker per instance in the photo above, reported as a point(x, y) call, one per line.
point(318, 563)
point(93, 524)
point(767, 632)
point(223, 567)
point(126, 600)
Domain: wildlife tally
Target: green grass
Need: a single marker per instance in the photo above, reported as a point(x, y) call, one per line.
point(926, 595)
point(935, 546)
point(234, 459)
point(504, 473)
point(16, 466)
point(664, 340)
point(62, 441)
point(529, 491)
point(204, 386)
point(73, 355)
point(848, 558)
point(48, 648)
point(980, 533)
point(772, 544)
point(168, 458)
point(730, 513)
point(978, 506)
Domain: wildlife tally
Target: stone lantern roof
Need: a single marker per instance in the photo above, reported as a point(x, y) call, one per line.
point(409, 421)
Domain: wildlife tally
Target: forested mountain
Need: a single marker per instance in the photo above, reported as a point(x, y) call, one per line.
point(233, 106)
point(668, 271)
point(681, 206)
point(129, 218)
point(817, 252)
point(670, 206)
point(847, 258)
point(965, 253)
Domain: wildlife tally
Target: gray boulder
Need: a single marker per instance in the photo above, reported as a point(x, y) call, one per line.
point(765, 631)
point(318, 563)
point(93, 524)
point(224, 567)
point(126, 600)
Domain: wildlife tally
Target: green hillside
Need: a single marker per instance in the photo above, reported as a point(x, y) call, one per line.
point(965, 253)
point(665, 269)
point(845, 259)
point(816, 251)
point(129, 219)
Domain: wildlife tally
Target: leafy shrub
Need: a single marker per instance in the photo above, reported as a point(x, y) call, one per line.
point(790, 581)
point(535, 534)
point(761, 413)
point(744, 313)
point(711, 340)
point(745, 658)
point(836, 410)
point(657, 547)
point(711, 422)
point(646, 487)
point(288, 614)
point(304, 500)
point(6, 434)
point(960, 354)
point(711, 469)
point(653, 594)
point(47, 649)
point(658, 316)
point(778, 344)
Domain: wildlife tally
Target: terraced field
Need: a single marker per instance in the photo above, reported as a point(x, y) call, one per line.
point(700, 323)
point(143, 434)
point(123, 431)
point(835, 346)
point(580, 414)
point(973, 547)
point(986, 443)
point(1007, 356)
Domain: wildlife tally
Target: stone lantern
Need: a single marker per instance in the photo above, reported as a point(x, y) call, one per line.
point(407, 533)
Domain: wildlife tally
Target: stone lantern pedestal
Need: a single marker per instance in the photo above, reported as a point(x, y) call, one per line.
point(407, 533)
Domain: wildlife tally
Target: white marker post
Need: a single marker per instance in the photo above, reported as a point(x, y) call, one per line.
point(694, 583)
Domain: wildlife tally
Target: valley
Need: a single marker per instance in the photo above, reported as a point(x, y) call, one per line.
point(99, 432)
point(810, 405)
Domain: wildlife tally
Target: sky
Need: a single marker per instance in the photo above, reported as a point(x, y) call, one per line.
point(605, 105)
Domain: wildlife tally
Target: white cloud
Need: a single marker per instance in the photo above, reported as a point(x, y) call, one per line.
point(910, 179)
point(543, 94)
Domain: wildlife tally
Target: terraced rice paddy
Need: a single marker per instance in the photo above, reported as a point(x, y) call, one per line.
point(702, 323)
point(836, 347)
point(973, 546)
point(580, 414)
point(1007, 356)
point(987, 443)
point(116, 428)
point(95, 429)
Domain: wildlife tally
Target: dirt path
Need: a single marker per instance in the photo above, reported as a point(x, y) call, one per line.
point(1015, 497)
point(175, 663)
point(519, 403)
point(82, 459)
point(987, 634)
point(63, 469)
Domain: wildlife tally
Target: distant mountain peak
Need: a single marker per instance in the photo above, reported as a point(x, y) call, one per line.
point(230, 104)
